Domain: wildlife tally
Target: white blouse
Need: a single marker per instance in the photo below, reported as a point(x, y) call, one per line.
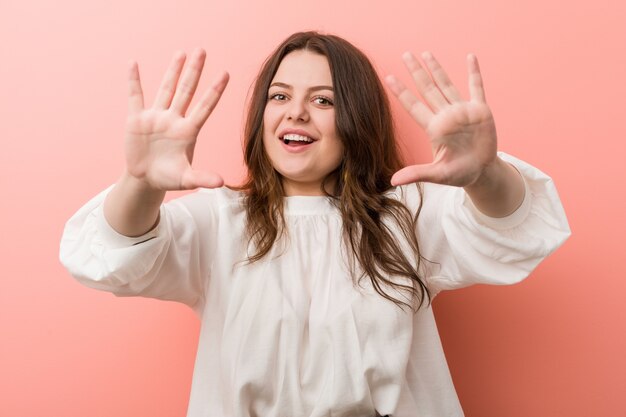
point(291, 335)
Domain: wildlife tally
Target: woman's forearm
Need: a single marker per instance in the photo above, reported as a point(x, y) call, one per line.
point(132, 207)
point(499, 191)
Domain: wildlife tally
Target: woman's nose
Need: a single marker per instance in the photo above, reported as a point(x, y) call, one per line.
point(297, 111)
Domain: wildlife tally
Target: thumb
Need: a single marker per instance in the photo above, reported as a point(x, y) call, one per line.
point(193, 179)
point(416, 173)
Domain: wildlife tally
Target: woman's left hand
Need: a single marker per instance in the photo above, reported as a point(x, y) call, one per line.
point(462, 133)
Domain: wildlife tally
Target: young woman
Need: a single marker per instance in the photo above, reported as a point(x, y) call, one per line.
point(313, 280)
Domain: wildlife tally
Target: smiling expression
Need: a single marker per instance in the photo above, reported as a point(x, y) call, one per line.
point(299, 133)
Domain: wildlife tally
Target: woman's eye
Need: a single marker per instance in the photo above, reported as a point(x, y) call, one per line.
point(324, 101)
point(278, 96)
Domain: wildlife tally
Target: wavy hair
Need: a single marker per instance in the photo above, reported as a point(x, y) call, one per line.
point(364, 125)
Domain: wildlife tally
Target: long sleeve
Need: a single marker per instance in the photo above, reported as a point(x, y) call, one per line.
point(171, 262)
point(464, 247)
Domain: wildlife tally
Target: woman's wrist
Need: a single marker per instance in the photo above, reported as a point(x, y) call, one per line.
point(139, 188)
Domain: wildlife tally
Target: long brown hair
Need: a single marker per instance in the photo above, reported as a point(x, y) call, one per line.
point(365, 126)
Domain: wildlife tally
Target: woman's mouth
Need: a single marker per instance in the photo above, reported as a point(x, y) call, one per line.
point(293, 139)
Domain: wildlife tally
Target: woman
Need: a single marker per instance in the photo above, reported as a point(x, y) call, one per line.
point(313, 280)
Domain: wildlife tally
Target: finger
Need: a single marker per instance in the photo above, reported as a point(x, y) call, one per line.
point(193, 179)
point(442, 80)
point(168, 85)
point(415, 173)
point(204, 108)
point(189, 82)
point(418, 110)
point(135, 93)
point(477, 91)
point(425, 85)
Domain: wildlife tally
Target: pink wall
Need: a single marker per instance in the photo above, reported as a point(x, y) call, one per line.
point(554, 72)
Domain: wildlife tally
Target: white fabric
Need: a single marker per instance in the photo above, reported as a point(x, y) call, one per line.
point(291, 335)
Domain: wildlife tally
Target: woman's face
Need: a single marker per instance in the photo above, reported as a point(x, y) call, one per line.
point(299, 132)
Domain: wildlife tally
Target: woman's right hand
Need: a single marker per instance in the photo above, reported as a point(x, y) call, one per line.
point(160, 140)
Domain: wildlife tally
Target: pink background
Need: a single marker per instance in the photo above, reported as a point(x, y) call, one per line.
point(554, 72)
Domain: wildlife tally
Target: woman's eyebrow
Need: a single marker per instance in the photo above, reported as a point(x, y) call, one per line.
point(314, 88)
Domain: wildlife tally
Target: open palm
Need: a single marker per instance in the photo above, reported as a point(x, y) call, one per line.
point(160, 140)
point(462, 133)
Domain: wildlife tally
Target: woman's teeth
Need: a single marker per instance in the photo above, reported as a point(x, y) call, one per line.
point(291, 137)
